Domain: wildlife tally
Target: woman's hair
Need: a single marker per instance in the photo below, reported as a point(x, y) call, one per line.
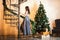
point(27, 9)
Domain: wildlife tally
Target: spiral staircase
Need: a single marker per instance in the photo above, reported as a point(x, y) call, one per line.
point(10, 18)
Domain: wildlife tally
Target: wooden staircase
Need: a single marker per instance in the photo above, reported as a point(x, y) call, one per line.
point(10, 18)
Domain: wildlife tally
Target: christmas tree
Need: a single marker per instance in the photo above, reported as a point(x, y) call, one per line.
point(41, 20)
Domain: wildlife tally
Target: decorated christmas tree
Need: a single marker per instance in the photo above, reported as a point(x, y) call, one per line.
point(41, 20)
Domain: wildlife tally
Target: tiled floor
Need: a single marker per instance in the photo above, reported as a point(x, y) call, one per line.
point(25, 38)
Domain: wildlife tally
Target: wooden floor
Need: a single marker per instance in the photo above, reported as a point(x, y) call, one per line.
point(12, 37)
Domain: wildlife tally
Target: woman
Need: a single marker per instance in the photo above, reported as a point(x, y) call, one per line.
point(27, 21)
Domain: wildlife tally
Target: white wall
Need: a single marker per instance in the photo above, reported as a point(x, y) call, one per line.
point(52, 8)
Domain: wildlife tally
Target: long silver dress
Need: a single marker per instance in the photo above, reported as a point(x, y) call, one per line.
point(26, 26)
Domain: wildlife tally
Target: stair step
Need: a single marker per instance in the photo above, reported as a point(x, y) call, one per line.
point(13, 25)
point(11, 18)
point(15, 5)
point(11, 22)
point(8, 15)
